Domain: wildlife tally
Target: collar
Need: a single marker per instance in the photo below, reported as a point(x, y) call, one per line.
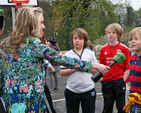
point(139, 57)
point(78, 54)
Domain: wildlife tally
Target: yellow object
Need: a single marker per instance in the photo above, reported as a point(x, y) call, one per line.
point(133, 98)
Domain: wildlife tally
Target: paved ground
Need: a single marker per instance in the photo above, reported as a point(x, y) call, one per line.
point(59, 100)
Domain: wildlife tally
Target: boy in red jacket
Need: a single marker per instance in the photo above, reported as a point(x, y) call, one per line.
point(113, 82)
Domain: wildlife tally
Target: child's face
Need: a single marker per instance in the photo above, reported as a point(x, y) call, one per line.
point(78, 42)
point(135, 43)
point(112, 36)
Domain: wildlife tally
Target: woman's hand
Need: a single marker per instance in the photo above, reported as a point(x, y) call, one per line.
point(100, 67)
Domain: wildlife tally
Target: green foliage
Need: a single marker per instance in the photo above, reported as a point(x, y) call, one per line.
point(93, 16)
point(139, 11)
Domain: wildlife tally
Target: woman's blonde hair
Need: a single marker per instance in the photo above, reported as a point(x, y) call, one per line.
point(82, 34)
point(115, 27)
point(26, 25)
point(135, 31)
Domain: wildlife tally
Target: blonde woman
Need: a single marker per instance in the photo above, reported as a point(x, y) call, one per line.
point(21, 67)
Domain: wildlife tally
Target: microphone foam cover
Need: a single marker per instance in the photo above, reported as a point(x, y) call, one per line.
point(119, 58)
point(1, 11)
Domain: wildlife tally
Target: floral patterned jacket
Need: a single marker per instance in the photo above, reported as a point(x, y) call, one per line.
point(22, 80)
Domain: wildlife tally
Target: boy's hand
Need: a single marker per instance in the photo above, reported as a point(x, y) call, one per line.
point(1, 31)
point(51, 69)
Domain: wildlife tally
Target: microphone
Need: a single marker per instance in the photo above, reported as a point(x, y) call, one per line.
point(1, 11)
point(1, 18)
point(118, 58)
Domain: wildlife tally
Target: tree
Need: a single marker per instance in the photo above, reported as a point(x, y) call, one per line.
point(47, 12)
point(138, 18)
point(57, 21)
point(129, 16)
point(92, 15)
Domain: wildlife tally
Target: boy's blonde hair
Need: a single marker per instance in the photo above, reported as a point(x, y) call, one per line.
point(27, 24)
point(115, 27)
point(82, 34)
point(135, 31)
